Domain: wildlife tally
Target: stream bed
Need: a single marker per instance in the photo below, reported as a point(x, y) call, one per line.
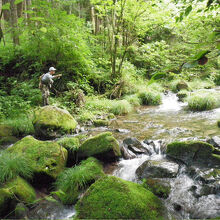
point(161, 125)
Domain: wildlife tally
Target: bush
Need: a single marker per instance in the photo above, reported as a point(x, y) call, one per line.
point(201, 84)
point(12, 165)
point(201, 102)
point(72, 180)
point(121, 107)
point(150, 98)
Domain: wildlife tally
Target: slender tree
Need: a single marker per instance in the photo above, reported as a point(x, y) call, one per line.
point(14, 22)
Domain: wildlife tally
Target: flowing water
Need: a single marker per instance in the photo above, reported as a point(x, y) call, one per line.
point(171, 121)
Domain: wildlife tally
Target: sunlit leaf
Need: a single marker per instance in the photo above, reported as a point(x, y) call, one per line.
point(188, 10)
point(190, 64)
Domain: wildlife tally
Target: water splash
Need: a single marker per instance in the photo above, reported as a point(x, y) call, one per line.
point(170, 103)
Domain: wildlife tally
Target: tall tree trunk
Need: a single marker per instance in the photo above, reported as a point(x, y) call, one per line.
point(93, 19)
point(6, 13)
point(28, 7)
point(20, 9)
point(14, 22)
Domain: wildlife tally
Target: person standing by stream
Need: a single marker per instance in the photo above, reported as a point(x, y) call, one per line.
point(46, 82)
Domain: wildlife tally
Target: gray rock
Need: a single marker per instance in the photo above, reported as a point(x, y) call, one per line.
point(134, 145)
point(215, 141)
point(157, 169)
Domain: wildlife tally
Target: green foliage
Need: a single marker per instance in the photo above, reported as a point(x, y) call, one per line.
point(13, 165)
point(121, 107)
point(150, 98)
point(72, 180)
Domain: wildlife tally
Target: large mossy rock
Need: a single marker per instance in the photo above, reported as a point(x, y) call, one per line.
point(114, 198)
point(193, 152)
point(51, 122)
point(14, 191)
point(157, 169)
point(159, 187)
point(182, 85)
point(47, 157)
point(73, 180)
point(103, 146)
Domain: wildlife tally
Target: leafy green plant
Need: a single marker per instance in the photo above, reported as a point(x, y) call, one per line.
point(12, 165)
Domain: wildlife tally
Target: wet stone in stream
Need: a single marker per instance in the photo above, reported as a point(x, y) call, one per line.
point(157, 169)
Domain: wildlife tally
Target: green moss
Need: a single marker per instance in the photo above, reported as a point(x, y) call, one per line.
point(157, 187)
point(99, 144)
point(51, 121)
point(47, 157)
point(114, 198)
point(17, 190)
point(150, 98)
point(191, 151)
point(72, 180)
point(8, 140)
point(5, 130)
point(100, 123)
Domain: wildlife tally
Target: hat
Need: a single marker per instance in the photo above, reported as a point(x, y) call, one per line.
point(52, 69)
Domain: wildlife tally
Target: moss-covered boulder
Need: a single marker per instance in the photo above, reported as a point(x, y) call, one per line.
point(157, 169)
point(48, 158)
point(159, 187)
point(114, 198)
point(73, 180)
point(193, 152)
point(71, 144)
point(182, 85)
point(103, 146)
point(14, 191)
point(50, 122)
point(101, 123)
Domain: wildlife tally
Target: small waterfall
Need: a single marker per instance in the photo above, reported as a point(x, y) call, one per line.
point(127, 168)
point(170, 103)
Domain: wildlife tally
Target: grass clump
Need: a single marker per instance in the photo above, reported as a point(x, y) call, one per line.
point(201, 84)
point(133, 100)
point(150, 98)
point(202, 102)
point(121, 107)
point(21, 125)
point(13, 165)
point(75, 179)
point(114, 198)
point(70, 143)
